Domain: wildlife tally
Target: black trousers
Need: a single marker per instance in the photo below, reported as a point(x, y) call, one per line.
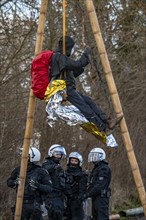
point(100, 208)
point(55, 208)
point(74, 210)
point(30, 211)
point(87, 107)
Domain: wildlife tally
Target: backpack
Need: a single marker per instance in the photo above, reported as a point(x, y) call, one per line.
point(40, 77)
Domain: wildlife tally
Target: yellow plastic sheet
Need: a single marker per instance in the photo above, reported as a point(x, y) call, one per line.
point(53, 87)
point(92, 129)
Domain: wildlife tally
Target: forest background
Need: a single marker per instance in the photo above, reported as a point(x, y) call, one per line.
point(122, 26)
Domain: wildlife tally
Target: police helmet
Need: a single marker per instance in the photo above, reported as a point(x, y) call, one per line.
point(96, 154)
point(56, 149)
point(77, 156)
point(34, 154)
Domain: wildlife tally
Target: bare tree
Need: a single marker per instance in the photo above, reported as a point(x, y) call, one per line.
point(122, 26)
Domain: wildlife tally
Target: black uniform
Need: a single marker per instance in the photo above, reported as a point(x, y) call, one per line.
point(33, 196)
point(76, 185)
point(99, 190)
point(68, 69)
point(55, 200)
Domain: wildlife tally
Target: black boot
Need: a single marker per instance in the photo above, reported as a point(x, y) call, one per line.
point(111, 123)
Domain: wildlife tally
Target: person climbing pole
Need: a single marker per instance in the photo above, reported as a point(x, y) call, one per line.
point(62, 66)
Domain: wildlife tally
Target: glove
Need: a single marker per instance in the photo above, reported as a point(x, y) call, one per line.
point(16, 183)
point(87, 51)
point(34, 184)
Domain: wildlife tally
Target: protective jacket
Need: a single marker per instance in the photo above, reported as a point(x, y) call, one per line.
point(99, 190)
point(76, 182)
point(99, 180)
point(39, 176)
point(55, 200)
point(57, 175)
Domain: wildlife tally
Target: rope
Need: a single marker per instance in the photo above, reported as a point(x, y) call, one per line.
point(83, 31)
point(64, 24)
point(95, 63)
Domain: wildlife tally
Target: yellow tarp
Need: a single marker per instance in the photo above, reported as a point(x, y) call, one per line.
point(92, 129)
point(53, 87)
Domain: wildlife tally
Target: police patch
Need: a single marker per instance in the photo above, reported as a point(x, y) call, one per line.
point(101, 178)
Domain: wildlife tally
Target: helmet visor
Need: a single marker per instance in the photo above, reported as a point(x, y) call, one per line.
point(95, 156)
point(59, 152)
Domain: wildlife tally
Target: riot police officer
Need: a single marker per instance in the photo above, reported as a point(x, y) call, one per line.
point(76, 183)
point(99, 182)
point(37, 184)
point(55, 200)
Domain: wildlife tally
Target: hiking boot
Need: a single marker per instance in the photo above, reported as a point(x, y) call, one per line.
point(111, 123)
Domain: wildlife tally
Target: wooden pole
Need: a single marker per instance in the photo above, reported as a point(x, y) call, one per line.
point(116, 101)
point(30, 116)
point(64, 24)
